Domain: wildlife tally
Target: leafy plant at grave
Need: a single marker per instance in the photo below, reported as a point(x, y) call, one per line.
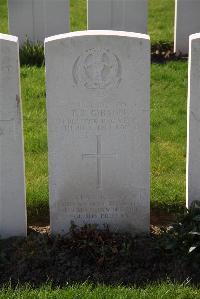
point(163, 51)
point(184, 236)
point(100, 246)
point(32, 54)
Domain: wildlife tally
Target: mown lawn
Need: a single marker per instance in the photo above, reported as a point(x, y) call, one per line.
point(168, 116)
point(161, 20)
point(85, 291)
point(3, 17)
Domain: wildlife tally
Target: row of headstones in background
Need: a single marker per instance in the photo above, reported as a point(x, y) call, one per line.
point(36, 19)
point(98, 97)
point(125, 15)
point(187, 22)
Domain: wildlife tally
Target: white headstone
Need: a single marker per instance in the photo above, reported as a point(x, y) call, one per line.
point(12, 182)
point(36, 19)
point(98, 129)
point(187, 21)
point(127, 15)
point(193, 130)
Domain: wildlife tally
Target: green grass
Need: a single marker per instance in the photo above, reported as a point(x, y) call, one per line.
point(85, 291)
point(3, 16)
point(168, 133)
point(35, 134)
point(168, 116)
point(78, 11)
point(161, 20)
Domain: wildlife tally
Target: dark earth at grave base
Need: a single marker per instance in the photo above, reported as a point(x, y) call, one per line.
point(93, 255)
point(164, 52)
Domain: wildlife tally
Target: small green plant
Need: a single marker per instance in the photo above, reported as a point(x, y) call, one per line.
point(184, 236)
point(32, 54)
point(99, 246)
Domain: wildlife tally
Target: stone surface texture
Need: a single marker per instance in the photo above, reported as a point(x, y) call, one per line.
point(98, 130)
point(187, 21)
point(127, 15)
point(193, 125)
point(36, 19)
point(12, 181)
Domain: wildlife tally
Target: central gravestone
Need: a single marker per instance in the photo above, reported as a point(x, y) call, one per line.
point(98, 130)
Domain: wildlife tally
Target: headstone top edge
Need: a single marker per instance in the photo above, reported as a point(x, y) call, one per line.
point(8, 37)
point(97, 33)
point(194, 36)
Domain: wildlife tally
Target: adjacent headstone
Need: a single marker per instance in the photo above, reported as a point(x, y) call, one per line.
point(187, 21)
point(193, 131)
point(127, 15)
point(98, 130)
point(12, 182)
point(36, 19)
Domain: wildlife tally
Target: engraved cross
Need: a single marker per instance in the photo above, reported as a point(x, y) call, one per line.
point(99, 156)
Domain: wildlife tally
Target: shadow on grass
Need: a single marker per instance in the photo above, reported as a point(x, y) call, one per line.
point(161, 52)
point(32, 54)
point(38, 215)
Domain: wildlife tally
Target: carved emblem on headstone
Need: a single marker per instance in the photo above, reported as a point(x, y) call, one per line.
point(97, 70)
